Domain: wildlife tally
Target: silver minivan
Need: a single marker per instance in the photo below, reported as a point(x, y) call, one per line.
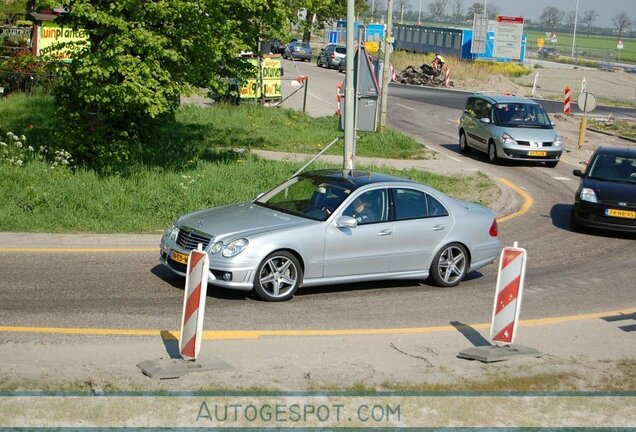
point(509, 127)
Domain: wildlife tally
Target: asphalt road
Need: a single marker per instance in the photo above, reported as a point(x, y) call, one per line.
point(568, 273)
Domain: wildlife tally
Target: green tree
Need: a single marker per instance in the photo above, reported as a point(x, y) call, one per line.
point(12, 10)
point(321, 12)
point(142, 55)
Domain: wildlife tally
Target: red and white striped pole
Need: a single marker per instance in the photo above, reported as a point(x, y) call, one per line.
point(194, 304)
point(447, 82)
point(567, 108)
point(338, 98)
point(505, 314)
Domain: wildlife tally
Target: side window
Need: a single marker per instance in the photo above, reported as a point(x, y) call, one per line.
point(435, 208)
point(409, 204)
point(470, 107)
point(369, 207)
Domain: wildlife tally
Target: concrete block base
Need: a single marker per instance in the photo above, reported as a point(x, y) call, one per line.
point(494, 353)
point(175, 368)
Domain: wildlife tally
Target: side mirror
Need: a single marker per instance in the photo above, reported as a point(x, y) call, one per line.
point(577, 172)
point(346, 222)
point(484, 120)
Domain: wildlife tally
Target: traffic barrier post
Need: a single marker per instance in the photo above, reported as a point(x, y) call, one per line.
point(194, 304)
point(189, 342)
point(506, 308)
point(567, 100)
point(447, 81)
point(338, 98)
point(510, 278)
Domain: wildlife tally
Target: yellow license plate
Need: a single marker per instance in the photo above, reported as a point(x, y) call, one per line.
point(536, 153)
point(627, 214)
point(179, 257)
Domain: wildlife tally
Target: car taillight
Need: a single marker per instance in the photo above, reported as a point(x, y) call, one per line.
point(493, 231)
point(332, 56)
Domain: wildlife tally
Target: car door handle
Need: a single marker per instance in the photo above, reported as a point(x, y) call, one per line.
point(385, 232)
point(439, 227)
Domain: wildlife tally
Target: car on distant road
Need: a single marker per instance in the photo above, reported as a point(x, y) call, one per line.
point(298, 51)
point(331, 56)
point(336, 227)
point(606, 196)
point(277, 47)
point(547, 53)
point(509, 127)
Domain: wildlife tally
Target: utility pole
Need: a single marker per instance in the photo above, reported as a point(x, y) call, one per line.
point(388, 40)
point(350, 96)
point(576, 14)
point(419, 14)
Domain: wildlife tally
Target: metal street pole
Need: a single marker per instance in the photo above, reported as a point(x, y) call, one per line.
point(419, 14)
point(576, 14)
point(349, 132)
point(388, 40)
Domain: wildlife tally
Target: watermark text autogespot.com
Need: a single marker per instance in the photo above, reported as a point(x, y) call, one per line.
point(298, 413)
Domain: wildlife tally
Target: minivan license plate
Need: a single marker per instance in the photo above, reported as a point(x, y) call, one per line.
point(536, 153)
point(627, 214)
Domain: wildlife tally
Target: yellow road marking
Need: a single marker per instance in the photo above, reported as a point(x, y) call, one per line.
point(527, 200)
point(77, 250)
point(255, 334)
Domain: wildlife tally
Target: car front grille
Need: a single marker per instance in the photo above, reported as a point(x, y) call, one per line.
point(543, 144)
point(188, 239)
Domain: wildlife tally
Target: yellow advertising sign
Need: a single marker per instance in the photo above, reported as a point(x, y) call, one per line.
point(51, 35)
point(540, 42)
point(372, 47)
point(269, 76)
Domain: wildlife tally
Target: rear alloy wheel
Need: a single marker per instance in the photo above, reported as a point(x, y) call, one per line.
point(449, 265)
point(463, 145)
point(278, 277)
point(492, 152)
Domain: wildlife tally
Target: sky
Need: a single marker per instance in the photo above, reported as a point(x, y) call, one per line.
point(531, 9)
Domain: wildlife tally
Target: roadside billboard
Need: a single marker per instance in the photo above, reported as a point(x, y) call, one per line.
point(50, 37)
point(508, 37)
point(268, 83)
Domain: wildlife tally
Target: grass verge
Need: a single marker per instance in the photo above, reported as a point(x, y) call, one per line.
point(622, 128)
point(38, 198)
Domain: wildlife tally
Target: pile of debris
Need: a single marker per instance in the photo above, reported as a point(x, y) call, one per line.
point(425, 75)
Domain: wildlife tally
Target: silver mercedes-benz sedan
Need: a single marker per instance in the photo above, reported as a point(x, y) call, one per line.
point(336, 226)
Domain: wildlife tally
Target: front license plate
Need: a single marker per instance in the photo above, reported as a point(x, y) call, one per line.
point(627, 214)
point(536, 153)
point(179, 257)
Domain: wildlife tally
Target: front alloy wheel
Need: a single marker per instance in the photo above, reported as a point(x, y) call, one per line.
point(449, 265)
point(492, 152)
point(278, 277)
point(463, 145)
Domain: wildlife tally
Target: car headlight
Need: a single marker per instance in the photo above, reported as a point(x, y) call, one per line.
point(558, 141)
point(588, 194)
point(216, 247)
point(507, 139)
point(172, 232)
point(235, 247)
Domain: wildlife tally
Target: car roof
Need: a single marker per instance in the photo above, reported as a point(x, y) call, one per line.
point(617, 151)
point(353, 178)
point(504, 98)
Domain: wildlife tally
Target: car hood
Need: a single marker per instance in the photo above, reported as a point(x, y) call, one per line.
point(612, 191)
point(240, 220)
point(531, 134)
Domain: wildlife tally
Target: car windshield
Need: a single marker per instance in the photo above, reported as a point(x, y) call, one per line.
point(522, 115)
point(614, 168)
point(307, 197)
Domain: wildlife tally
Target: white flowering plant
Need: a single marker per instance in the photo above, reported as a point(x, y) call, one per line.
point(14, 151)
